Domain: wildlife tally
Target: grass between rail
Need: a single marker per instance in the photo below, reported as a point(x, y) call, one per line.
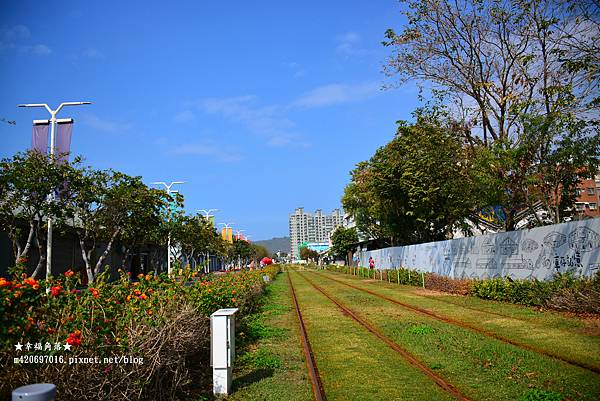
point(549, 331)
point(481, 367)
point(270, 365)
point(355, 365)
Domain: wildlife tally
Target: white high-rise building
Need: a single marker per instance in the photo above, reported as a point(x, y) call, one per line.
point(314, 227)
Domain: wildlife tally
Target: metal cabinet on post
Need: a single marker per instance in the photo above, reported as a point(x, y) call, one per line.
point(222, 348)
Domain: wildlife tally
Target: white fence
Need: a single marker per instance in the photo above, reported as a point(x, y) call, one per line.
point(524, 254)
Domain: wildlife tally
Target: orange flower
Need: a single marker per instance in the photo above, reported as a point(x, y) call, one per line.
point(143, 296)
point(233, 299)
point(69, 273)
point(31, 281)
point(95, 292)
point(4, 282)
point(148, 277)
point(18, 294)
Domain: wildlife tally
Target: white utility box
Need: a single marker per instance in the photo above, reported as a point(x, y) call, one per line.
point(222, 348)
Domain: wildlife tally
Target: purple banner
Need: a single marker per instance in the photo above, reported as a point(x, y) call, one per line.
point(39, 138)
point(63, 142)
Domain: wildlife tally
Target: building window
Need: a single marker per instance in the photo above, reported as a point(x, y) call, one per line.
point(591, 191)
point(592, 206)
point(578, 191)
point(580, 207)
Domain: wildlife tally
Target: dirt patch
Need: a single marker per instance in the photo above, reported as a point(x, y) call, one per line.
point(433, 293)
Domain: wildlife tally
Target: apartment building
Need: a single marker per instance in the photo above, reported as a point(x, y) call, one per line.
point(588, 197)
point(314, 227)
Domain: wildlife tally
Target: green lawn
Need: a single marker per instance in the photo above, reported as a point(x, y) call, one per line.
point(482, 367)
point(549, 331)
point(271, 363)
point(355, 365)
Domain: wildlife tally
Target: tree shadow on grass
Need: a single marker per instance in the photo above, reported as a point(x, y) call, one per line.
point(252, 377)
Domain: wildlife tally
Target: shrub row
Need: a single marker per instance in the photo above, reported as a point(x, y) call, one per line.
point(564, 292)
point(163, 320)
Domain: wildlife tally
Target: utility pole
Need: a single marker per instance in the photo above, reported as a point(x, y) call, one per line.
point(53, 121)
point(169, 192)
point(207, 216)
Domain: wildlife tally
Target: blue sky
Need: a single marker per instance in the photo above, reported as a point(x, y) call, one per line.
point(261, 107)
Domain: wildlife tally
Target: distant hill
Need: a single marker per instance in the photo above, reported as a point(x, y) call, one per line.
point(276, 244)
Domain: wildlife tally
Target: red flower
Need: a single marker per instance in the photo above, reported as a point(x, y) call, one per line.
point(69, 273)
point(4, 282)
point(56, 290)
point(74, 338)
point(95, 292)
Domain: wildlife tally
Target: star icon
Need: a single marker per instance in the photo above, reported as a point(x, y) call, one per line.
point(19, 346)
point(67, 347)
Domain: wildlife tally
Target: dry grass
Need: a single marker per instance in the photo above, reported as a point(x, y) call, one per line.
point(174, 353)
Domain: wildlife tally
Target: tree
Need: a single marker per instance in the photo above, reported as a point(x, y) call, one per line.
point(196, 236)
point(308, 254)
point(502, 63)
point(26, 182)
point(241, 251)
point(417, 188)
point(343, 242)
point(260, 252)
point(107, 206)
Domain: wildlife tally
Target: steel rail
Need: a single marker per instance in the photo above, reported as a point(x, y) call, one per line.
point(315, 378)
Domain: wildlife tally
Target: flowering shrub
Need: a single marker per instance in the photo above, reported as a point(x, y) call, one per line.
point(115, 318)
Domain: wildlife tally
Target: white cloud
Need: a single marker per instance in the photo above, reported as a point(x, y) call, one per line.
point(297, 70)
point(218, 153)
point(93, 53)
point(184, 116)
point(332, 94)
point(348, 44)
point(38, 50)
point(265, 121)
point(104, 125)
point(15, 34)
point(13, 38)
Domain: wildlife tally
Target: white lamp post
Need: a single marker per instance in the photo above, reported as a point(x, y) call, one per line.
point(169, 192)
point(53, 122)
point(207, 216)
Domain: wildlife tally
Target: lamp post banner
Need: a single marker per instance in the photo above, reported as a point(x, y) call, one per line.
point(39, 138)
point(63, 141)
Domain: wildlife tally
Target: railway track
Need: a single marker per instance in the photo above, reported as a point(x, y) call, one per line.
point(449, 388)
point(468, 326)
point(313, 371)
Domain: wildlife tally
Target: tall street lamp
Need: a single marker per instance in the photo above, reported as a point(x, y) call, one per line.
point(169, 192)
point(207, 216)
point(53, 122)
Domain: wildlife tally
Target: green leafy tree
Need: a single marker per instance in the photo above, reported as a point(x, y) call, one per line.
point(260, 252)
point(417, 188)
point(503, 65)
point(108, 206)
point(26, 182)
point(308, 254)
point(343, 242)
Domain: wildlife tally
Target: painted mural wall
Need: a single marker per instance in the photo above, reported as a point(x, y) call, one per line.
point(524, 254)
